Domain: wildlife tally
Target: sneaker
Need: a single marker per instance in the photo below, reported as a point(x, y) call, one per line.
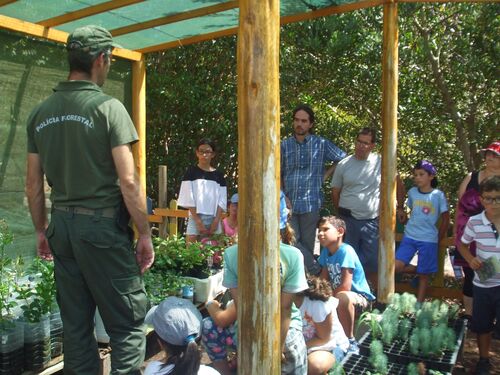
point(483, 366)
point(353, 346)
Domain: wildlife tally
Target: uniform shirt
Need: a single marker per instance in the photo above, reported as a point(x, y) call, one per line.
point(292, 275)
point(359, 181)
point(345, 257)
point(303, 168)
point(74, 131)
point(479, 229)
point(205, 190)
point(425, 211)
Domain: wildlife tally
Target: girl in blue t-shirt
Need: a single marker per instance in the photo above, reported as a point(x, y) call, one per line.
point(427, 205)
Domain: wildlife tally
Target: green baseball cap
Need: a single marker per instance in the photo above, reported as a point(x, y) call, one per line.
point(90, 38)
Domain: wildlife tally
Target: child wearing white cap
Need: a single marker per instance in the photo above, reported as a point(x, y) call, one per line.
point(177, 323)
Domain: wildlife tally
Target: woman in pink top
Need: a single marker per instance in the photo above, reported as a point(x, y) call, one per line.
point(230, 223)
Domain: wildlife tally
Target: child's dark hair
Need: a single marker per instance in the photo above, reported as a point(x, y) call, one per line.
point(206, 141)
point(336, 222)
point(319, 289)
point(423, 164)
point(489, 184)
point(185, 358)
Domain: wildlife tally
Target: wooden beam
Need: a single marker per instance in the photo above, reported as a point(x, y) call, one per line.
point(387, 220)
point(334, 9)
point(284, 20)
point(14, 24)
point(200, 12)
point(169, 212)
point(87, 12)
point(6, 2)
point(258, 188)
point(139, 117)
point(190, 40)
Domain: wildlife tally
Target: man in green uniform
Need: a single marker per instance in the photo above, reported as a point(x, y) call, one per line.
point(80, 139)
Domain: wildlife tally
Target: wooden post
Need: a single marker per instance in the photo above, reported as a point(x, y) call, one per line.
point(258, 157)
point(173, 221)
point(389, 143)
point(139, 117)
point(162, 197)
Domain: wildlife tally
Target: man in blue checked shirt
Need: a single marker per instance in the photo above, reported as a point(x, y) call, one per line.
point(303, 159)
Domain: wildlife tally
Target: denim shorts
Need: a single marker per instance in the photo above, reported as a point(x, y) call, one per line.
point(192, 229)
point(427, 254)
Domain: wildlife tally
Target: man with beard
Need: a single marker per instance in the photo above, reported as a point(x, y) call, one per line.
point(303, 158)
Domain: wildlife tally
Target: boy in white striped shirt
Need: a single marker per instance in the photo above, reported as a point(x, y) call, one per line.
point(483, 229)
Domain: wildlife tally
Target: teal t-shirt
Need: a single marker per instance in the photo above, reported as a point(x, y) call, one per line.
point(74, 131)
point(293, 278)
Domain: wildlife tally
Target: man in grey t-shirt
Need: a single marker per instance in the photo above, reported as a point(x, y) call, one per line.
point(356, 195)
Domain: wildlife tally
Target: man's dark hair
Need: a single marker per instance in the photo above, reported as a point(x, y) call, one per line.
point(489, 184)
point(206, 141)
point(305, 108)
point(368, 131)
point(81, 61)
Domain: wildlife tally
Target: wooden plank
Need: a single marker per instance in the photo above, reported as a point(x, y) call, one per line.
point(155, 219)
point(334, 9)
point(139, 118)
point(199, 12)
point(162, 197)
point(171, 212)
point(387, 220)
point(6, 2)
point(172, 221)
point(14, 24)
point(284, 20)
point(258, 188)
point(87, 12)
point(190, 40)
point(432, 291)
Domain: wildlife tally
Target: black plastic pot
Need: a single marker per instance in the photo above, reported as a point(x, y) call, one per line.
point(36, 345)
point(11, 348)
point(399, 350)
point(56, 334)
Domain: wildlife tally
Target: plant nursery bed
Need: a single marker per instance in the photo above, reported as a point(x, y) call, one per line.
point(357, 364)
point(399, 350)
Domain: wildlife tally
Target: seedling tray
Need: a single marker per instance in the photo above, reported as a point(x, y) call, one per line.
point(356, 364)
point(399, 350)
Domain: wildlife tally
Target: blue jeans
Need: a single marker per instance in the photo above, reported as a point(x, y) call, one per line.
point(363, 236)
point(304, 226)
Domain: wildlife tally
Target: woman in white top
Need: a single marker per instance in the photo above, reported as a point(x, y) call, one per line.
point(325, 338)
point(177, 324)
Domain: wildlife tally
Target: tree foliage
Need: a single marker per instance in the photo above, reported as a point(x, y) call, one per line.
point(448, 89)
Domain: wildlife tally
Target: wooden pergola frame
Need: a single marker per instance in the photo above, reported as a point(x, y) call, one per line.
point(258, 129)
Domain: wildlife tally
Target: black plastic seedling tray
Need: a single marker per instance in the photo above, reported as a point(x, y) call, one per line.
point(355, 364)
point(399, 350)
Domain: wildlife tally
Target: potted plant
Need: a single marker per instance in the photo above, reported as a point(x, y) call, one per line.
point(37, 293)
point(11, 330)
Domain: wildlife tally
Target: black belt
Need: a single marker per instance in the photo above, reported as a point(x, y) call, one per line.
point(109, 212)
